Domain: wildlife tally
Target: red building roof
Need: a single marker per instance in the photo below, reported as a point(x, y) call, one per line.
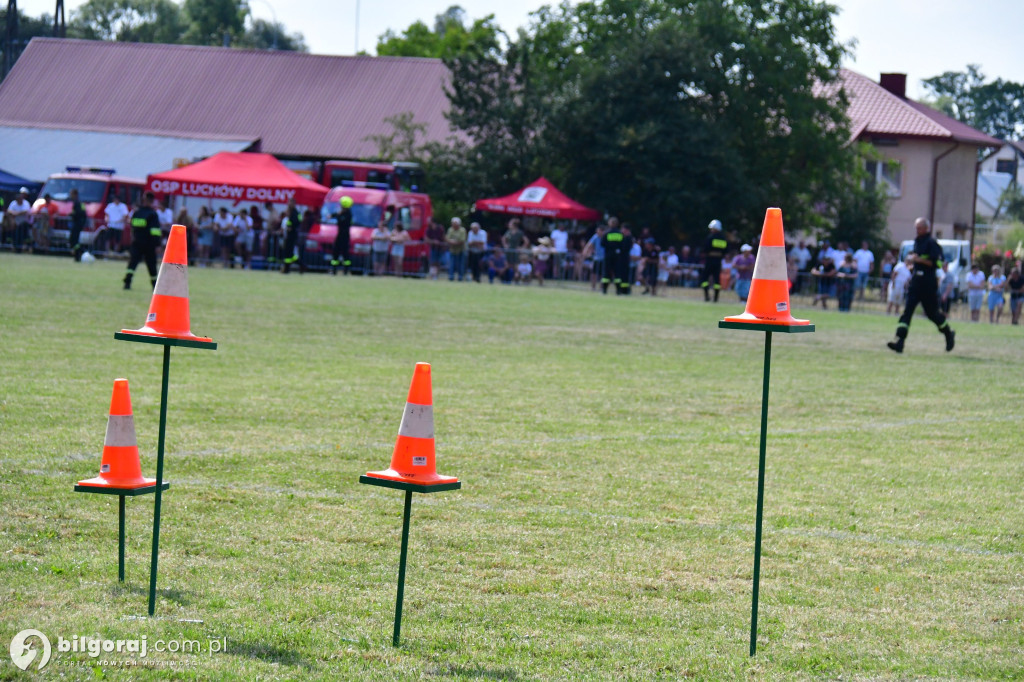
point(296, 104)
point(874, 111)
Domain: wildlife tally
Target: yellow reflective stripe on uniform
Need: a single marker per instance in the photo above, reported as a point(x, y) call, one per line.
point(771, 263)
point(417, 421)
point(614, 236)
point(139, 222)
point(120, 431)
point(155, 231)
point(172, 281)
point(719, 243)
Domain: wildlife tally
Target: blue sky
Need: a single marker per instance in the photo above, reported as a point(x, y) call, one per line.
point(915, 37)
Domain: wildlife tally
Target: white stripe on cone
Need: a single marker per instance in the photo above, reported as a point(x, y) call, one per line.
point(771, 263)
point(172, 280)
point(417, 421)
point(120, 431)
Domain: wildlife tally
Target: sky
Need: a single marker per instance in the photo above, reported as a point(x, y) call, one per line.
point(917, 37)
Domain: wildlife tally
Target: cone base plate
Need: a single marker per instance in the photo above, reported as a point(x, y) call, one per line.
point(414, 487)
point(144, 337)
point(765, 327)
point(114, 490)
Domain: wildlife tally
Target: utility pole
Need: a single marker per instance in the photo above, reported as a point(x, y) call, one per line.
point(10, 36)
point(59, 28)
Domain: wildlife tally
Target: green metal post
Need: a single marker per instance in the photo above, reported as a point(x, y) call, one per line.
point(401, 567)
point(159, 480)
point(760, 489)
point(120, 538)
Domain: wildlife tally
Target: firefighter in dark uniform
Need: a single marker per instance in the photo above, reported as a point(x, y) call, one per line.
point(714, 248)
point(290, 224)
point(625, 271)
point(146, 236)
point(341, 242)
point(77, 220)
point(924, 287)
point(613, 242)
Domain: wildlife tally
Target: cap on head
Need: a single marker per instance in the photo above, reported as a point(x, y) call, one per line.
point(23, 190)
point(715, 224)
point(346, 202)
point(746, 248)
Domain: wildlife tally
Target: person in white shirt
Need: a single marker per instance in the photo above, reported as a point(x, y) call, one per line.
point(975, 291)
point(166, 216)
point(560, 245)
point(801, 255)
point(898, 284)
point(243, 242)
point(865, 265)
point(476, 244)
point(116, 213)
point(224, 225)
point(18, 213)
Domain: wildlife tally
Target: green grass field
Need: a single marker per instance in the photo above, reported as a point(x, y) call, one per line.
point(608, 452)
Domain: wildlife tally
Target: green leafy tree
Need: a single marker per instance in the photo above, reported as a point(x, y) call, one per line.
point(142, 21)
point(667, 113)
point(28, 28)
point(449, 37)
point(861, 210)
point(996, 108)
point(268, 35)
point(209, 21)
point(1012, 203)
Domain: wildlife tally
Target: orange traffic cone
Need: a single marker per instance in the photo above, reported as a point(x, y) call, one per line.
point(768, 301)
point(168, 312)
point(413, 458)
point(120, 466)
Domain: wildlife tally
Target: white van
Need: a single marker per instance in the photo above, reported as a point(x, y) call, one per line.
point(956, 252)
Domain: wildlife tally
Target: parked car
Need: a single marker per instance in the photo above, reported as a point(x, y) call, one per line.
point(956, 252)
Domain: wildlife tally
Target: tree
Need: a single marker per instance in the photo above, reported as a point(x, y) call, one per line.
point(668, 113)
point(210, 22)
point(28, 28)
point(861, 211)
point(267, 35)
point(448, 38)
point(402, 142)
point(996, 108)
point(137, 21)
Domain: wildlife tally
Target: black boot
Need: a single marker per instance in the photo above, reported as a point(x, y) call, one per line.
point(950, 338)
point(127, 282)
point(707, 295)
point(716, 294)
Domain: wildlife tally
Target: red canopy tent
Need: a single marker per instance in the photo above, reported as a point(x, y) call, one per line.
point(239, 176)
point(539, 198)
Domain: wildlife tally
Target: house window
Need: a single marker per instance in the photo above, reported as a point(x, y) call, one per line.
point(1006, 166)
point(888, 173)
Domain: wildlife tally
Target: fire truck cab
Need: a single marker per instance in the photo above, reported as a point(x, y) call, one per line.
point(96, 187)
point(370, 207)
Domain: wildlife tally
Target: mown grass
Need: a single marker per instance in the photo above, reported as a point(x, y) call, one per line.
point(608, 452)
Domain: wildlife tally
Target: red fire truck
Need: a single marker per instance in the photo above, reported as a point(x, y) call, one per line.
point(380, 192)
point(96, 188)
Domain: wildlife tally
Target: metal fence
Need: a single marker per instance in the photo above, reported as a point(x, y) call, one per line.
point(530, 268)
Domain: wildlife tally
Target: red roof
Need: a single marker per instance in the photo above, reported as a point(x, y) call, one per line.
point(874, 111)
point(539, 198)
point(241, 176)
point(297, 104)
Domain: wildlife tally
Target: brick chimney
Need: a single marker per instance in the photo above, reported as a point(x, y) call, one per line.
point(896, 83)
